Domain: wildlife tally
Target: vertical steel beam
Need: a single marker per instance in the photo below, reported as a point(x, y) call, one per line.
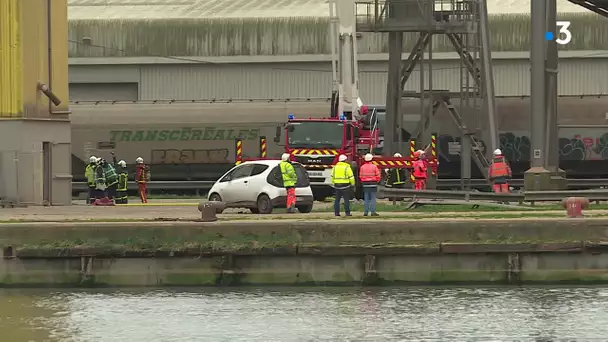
point(393, 91)
point(552, 138)
point(537, 85)
point(486, 60)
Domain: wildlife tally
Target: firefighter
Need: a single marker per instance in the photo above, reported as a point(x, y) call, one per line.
point(89, 172)
point(343, 179)
point(100, 180)
point(123, 179)
point(369, 175)
point(499, 172)
point(142, 178)
point(420, 170)
point(111, 179)
point(396, 178)
point(290, 178)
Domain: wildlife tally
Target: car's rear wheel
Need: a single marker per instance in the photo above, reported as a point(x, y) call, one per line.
point(264, 205)
point(214, 197)
point(304, 209)
point(254, 210)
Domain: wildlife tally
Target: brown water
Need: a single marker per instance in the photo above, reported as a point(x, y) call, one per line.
point(307, 314)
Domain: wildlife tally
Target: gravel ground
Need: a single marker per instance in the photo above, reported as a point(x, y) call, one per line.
point(180, 209)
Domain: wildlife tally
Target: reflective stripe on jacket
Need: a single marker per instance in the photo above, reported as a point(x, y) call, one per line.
point(369, 173)
point(123, 178)
point(342, 173)
point(288, 172)
point(420, 169)
point(89, 172)
point(499, 168)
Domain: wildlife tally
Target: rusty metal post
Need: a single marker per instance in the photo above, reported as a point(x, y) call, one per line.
point(263, 151)
point(574, 206)
point(238, 148)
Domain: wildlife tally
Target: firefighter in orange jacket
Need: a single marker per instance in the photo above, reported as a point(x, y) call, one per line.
point(141, 177)
point(369, 175)
point(420, 170)
point(499, 172)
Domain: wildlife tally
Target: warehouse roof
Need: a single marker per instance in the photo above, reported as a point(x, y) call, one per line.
point(197, 9)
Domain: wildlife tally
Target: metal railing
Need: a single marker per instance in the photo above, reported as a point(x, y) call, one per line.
point(521, 197)
point(441, 183)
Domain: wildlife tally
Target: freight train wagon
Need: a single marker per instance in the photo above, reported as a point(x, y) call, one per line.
point(195, 141)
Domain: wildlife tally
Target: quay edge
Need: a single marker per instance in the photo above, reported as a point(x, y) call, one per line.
point(349, 252)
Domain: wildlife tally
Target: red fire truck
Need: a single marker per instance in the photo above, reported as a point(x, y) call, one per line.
point(317, 143)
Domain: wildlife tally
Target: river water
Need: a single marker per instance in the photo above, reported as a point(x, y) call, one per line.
point(307, 314)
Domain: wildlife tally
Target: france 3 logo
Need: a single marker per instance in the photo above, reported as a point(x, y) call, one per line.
point(564, 36)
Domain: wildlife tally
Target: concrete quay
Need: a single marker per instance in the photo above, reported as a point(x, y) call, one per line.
point(303, 252)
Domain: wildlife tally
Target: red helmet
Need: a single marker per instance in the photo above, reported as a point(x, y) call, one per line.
point(417, 154)
point(363, 110)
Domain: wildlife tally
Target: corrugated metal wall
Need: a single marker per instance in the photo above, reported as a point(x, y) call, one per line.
point(313, 80)
point(511, 78)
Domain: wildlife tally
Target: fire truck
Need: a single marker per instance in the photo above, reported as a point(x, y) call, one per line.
point(317, 143)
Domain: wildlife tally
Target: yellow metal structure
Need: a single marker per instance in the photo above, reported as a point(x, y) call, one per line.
point(33, 49)
point(11, 78)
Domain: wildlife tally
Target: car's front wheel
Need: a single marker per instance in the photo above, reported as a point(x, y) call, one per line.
point(264, 205)
point(304, 209)
point(214, 197)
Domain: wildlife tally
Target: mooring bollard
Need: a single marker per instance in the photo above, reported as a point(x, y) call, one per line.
point(574, 206)
point(208, 210)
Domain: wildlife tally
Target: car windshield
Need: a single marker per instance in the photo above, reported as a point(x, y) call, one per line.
point(316, 135)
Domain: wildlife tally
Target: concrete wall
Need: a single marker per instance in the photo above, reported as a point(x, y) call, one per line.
point(22, 161)
point(306, 270)
point(311, 79)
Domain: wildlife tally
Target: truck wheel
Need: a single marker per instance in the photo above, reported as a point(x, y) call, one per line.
point(304, 209)
point(264, 205)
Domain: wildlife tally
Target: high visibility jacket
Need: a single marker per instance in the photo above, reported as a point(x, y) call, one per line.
point(141, 176)
point(342, 174)
point(369, 174)
point(89, 172)
point(396, 176)
point(288, 172)
point(110, 172)
point(123, 178)
point(499, 168)
point(420, 169)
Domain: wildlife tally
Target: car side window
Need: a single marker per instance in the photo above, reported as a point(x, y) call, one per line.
point(274, 177)
point(258, 169)
point(241, 172)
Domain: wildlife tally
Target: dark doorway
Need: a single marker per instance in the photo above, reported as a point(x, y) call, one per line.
point(46, 165)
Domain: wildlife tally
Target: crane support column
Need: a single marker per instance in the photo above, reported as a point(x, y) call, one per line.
point(558, 176)
point(35, 154)
point(393, 93)
point(348, 79)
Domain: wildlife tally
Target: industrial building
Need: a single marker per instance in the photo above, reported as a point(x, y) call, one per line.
point(248, 50)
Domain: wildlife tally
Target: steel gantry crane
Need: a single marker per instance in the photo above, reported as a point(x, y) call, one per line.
point(465, 24)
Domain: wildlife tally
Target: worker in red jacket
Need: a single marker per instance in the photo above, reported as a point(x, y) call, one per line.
point(420, 166)
point(499, 172)
point(142, 178)
point(369, 175)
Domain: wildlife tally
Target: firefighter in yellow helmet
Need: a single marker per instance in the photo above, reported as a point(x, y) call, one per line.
point(343, 179)
point(290, 178)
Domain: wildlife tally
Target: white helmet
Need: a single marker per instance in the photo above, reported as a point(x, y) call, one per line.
point(368, 157)
point(285, 156)
point(93, 159)
point(497, 152)
point(420, 152)
point(122, 163)
point(139, 160)
point(98, 160)
point(397, 155)
point(342, 158)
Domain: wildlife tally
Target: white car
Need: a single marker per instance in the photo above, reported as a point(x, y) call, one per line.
point(258, 186)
